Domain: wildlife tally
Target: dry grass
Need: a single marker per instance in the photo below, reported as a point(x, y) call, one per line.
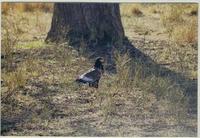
point(131, 10)
point(11, 32)
point(136, 11)
point(172, 16)
point(45, 100)
point(180, 30)
point(186, 33)
point(155, 9)
point(26, 7)
point(180, 27)
point(169, 30)
point(151, 96)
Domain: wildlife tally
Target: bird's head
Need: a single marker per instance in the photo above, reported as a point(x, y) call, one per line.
point(100, 59)
point(99, 64)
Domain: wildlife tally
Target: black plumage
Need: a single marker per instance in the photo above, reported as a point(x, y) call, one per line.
point(93, 75)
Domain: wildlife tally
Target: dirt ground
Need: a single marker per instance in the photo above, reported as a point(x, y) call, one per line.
point(50, 104)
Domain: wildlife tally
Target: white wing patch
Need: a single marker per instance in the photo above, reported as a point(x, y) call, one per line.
point(92, 69)
point(83, 77)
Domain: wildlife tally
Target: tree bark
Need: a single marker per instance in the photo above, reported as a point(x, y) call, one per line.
point(95, 23)
point(99, 26)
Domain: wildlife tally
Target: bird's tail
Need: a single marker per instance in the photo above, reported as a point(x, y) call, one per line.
point(77, 79)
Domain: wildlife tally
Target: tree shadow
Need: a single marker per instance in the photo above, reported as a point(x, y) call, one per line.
point(45, 109)
point(11, 123)
point(7, 125)
point(149, 67)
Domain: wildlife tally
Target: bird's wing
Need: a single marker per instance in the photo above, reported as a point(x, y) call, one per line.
point(85, 79)
point(91, 75)
point(94, 74)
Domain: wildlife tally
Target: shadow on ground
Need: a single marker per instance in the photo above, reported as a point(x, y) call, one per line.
point(149, 66)
point(83, 126)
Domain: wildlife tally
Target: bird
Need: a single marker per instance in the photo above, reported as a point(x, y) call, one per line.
point(93, 75)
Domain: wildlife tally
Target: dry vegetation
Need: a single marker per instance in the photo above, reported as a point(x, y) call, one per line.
point(166, 32)
point(27, 7)
point(39, 96)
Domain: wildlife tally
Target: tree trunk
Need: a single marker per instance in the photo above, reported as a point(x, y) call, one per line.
point(99, 24)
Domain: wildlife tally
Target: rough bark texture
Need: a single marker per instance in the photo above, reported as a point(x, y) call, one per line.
point(95, 23)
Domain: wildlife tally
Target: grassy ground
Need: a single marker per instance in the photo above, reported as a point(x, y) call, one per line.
point(39, 96)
